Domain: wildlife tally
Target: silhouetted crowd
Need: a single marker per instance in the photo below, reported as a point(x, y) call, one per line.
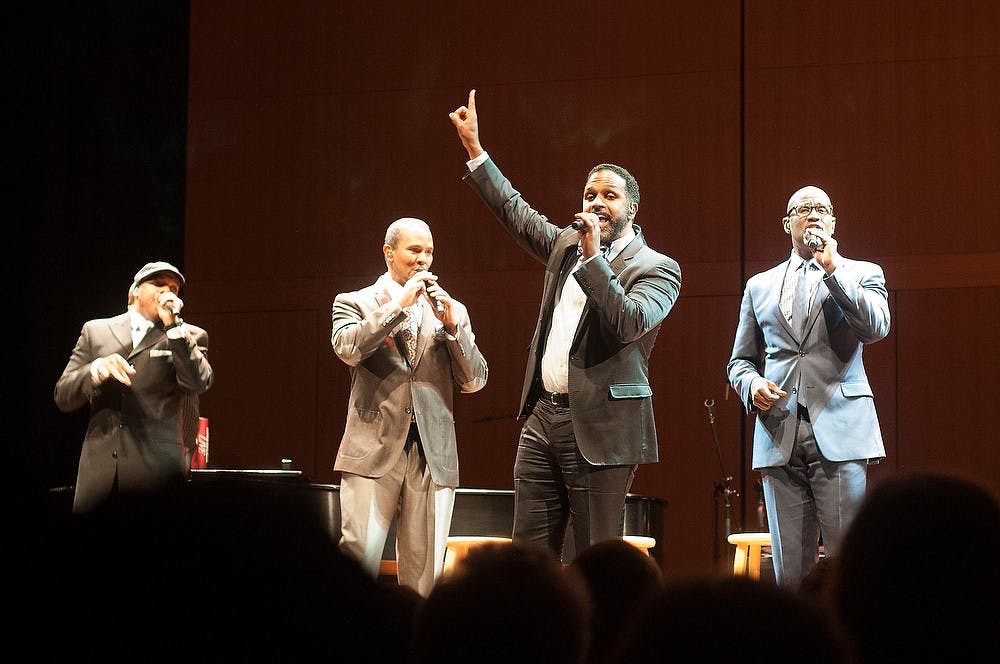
point(238, 570)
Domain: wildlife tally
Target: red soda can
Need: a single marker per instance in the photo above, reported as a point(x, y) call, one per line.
point(200, 457)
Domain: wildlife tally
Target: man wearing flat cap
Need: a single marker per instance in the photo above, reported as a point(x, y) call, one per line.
point(141, 372)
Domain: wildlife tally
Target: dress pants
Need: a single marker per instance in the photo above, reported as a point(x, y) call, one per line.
point(806, 497)
point(423, 510)
point(553, 482)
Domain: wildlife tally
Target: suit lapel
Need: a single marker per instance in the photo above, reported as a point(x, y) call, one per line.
point(774, 292)
point(153, 336)
point(427, 325)
point(121, 331)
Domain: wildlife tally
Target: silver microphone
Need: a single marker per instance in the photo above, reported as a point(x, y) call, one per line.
point(814, 241)
point(173, 306)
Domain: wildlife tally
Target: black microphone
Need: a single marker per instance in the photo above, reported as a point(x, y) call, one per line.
point(577, 225)
point(814, 241)
point(437, 304)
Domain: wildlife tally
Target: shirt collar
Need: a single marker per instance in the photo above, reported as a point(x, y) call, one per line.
point(617, 246)
point(797, 261)
point(392, 288)
point(138, 322)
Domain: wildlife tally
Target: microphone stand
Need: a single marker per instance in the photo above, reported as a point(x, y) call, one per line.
point(723, 488)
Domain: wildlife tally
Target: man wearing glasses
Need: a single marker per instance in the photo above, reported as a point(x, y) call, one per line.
point(796, 363)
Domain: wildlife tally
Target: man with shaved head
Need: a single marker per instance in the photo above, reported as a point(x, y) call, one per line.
point(410, 347)
point(796, 363)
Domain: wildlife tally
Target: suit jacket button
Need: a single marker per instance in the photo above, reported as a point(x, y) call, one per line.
point(114, 455)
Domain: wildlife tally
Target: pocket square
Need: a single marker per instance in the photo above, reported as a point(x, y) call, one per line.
point(160, 353)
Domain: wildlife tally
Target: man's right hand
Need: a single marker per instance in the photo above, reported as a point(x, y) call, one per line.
point(764, 393)
point(467, 123)
point(112, 366)
point(414, 288)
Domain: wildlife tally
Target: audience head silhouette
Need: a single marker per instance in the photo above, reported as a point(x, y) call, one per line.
point(709, 619)
point(236, 569)
point(917, 577)
point(620, 580)
point(504, 602)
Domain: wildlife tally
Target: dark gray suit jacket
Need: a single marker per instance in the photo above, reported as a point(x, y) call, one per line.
point(627, 300)
point(145, 433)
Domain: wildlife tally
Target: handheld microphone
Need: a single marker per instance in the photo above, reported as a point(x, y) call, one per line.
point(173, 306)
point(577, 225)
point(814, 241)
point(437, 304)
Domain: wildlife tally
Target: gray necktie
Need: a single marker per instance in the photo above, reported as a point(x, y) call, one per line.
point(800, 303)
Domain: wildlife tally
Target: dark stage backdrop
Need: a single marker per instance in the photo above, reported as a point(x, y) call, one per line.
point(97, 173)
point(311, 125)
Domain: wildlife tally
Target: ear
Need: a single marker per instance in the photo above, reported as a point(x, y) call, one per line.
point(387, 250)
point(787, 223)
point(633, 210)
point(833, 225)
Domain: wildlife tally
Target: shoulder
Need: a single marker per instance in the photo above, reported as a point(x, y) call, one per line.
point(369, 291)
point(96, 324)
point(768, 275)
point(858, 266)
point(646, 255)
point(195, 330)
point(651, 256)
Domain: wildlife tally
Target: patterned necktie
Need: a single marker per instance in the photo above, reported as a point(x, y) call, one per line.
point(411, 330)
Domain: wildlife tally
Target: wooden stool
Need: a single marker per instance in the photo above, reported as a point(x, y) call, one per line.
point(458, 547)
point(644, 544)
point(746, 562)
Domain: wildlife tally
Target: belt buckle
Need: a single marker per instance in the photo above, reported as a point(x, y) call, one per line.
point(557, 399)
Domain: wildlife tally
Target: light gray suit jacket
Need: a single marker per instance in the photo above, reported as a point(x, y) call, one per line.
point(145, 433)
point(627, 300)
point(823, 370)
point(386, 392)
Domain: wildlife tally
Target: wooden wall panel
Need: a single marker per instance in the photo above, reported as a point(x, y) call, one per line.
point(946, 398)
point(312, 125)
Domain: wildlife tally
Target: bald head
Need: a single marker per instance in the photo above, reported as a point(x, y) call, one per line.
point(407, 223)
point(810, 193)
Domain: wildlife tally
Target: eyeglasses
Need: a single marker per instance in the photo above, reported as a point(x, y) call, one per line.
point(804, 209)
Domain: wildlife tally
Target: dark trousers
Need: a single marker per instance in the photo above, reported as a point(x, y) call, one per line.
point(553, 482)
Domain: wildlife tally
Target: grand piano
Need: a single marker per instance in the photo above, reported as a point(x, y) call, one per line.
point(482, 512)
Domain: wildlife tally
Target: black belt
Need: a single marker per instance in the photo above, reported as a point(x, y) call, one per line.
point(560, 399)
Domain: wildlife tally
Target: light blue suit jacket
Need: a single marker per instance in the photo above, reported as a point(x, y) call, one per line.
point(822, 371)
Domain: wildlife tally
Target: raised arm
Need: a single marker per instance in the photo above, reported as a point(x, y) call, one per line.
point(466, 121)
